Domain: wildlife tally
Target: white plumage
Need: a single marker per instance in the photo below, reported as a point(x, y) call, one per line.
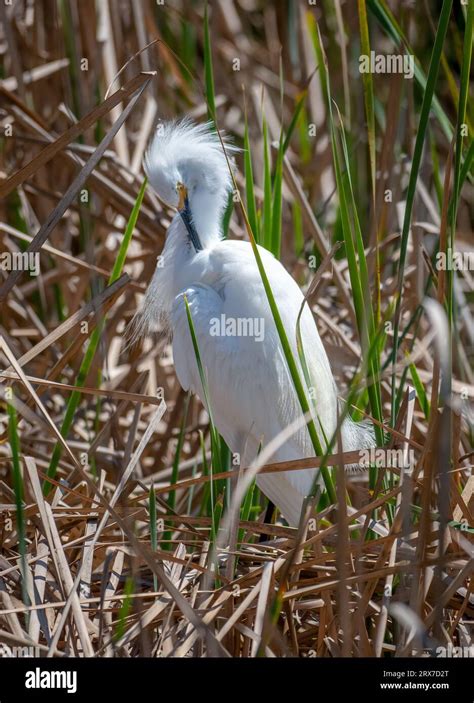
point(250, 388)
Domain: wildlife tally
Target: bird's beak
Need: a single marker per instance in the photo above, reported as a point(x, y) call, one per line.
point(186, 216)
point(182, 194)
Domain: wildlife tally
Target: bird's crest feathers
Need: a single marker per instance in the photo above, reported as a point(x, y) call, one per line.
point(190, 152)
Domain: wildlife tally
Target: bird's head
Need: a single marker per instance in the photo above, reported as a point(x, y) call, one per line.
point(187, 168)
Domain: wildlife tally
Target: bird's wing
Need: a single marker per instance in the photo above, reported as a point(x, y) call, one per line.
point(243, 290)
point(237, 369)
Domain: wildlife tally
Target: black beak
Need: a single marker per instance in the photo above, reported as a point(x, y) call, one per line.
point(187, 218)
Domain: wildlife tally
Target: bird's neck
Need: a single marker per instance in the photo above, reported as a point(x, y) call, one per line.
point(178, 243)
point(206, 212)
point(178, 267)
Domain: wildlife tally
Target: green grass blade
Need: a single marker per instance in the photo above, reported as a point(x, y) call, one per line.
point(368, 318)
point(267, 190)
point(17, 482)
point(208, 70)
point(127, 237)
point(153, 530)
point(387, 21)
point(200, 366)
point(207, 503)
point(86, 364)
point(368, 86)
point(294, 120)
point(460, 126)
point(216, 518)
point(291, 363)
point(462, 105)
point(245, 512)
point(249, 190)
point(415, 167)
point(175, 468)
point(420, 391)
point(217, 506)
point(354, 244)
point(277, 203)
point(215, 443)
point(227, 216)
point(125, 608)
point(437, 182)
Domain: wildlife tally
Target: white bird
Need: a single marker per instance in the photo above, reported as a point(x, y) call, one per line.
point(251, 392)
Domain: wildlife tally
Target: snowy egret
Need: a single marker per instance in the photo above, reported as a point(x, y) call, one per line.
point(250, 388)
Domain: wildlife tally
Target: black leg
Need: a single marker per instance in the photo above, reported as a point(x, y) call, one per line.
point(268, 519)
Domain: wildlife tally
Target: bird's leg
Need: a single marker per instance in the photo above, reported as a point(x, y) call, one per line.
point(268, 519)
point(245, 451)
